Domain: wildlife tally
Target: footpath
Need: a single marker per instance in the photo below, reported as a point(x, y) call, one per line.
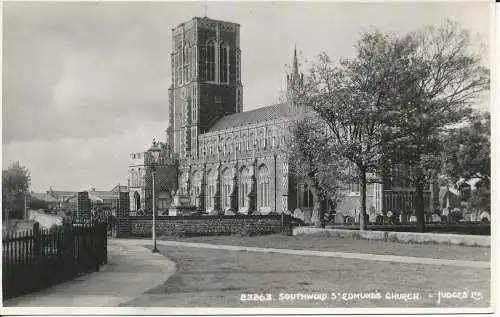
point(131, 270)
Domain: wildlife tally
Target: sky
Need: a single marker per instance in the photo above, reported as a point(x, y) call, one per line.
point(86, 83)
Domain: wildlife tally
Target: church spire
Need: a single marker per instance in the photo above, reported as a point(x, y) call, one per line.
point(295, 70)
point(294, 80)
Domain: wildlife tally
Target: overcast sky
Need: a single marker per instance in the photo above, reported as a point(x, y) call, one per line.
point(85, 84)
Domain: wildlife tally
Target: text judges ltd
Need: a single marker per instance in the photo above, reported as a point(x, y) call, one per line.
point(264, 297)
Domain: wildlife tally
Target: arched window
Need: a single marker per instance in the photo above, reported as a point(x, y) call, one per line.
point(210, 61)
point(307, 197)
point(178, 66)
point(186, 60)
point(244, 185)
point(137, 201)
point(211, 183)
point(139, 177)
point(227, 186)
point(223, 63)
point(133, 176)
point(263, 186)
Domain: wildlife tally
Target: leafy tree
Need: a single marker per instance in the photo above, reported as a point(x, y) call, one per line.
point(467, 151)
point(313, 159)
point(36, 203)
point(15, 182)
point(358, 99)
point(480, 198)
point(445, 80)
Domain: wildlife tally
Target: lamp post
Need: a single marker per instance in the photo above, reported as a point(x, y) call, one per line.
point(155, 153)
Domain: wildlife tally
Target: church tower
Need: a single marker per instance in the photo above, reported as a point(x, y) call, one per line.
point(206, 80)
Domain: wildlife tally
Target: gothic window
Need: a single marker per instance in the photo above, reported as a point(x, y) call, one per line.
point(137, 201)
point(134, 178)
point(264, 186)
point(139, 177)
point(186, 60)
point(223, 63)
point(238, 67)
point(244, 185)
point(227, 184)
point(178, 66)
point(211, 183)
point(307, 197)
point(210, 61)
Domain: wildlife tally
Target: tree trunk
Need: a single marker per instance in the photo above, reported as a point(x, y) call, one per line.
point(362, 190)
point(319, 207)
point(419, 205)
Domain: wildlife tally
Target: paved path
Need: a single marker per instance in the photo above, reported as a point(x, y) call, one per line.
point(131, 270)
point(345, 255)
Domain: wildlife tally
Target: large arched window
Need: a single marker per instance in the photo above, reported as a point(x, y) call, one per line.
point(306, 197)
point(227, 186)
point(210, 61)
point(223, 63)
point(264, 186)
point(244, 185)
point(186, 60)
point(178, 66)
point(211, 183)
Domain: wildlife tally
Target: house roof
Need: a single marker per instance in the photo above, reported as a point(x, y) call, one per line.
point(121, 188)
point(274, 112)
point(61, 193)
point(44, 197)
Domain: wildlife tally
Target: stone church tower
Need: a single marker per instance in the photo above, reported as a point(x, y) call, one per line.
point(206, 80)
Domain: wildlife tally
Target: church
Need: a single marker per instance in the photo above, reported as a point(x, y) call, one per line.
point(219, 158)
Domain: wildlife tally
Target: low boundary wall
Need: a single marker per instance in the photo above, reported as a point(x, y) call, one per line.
point(407, 237)
point(211, 225)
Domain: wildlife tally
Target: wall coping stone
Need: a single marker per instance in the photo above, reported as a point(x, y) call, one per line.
point(416, 237)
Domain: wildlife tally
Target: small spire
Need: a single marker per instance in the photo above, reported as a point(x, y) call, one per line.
point(295, 70)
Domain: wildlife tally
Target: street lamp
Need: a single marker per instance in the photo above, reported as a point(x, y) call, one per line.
point(155, 154)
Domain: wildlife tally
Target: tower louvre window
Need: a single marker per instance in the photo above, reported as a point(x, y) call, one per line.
point(223, 63)
point(178, 66)
point(210, 61)
point(186, 60)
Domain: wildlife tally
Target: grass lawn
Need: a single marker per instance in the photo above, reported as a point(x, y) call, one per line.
point(439, 251)
point(218, 278)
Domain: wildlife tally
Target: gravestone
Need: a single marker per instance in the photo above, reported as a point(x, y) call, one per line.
point(299, 214)
point(339, 218)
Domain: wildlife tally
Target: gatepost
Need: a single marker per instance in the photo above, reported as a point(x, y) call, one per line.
point(83, 207)
point(123, 228)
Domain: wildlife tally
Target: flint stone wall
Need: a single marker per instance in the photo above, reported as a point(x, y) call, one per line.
point(209, 225)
